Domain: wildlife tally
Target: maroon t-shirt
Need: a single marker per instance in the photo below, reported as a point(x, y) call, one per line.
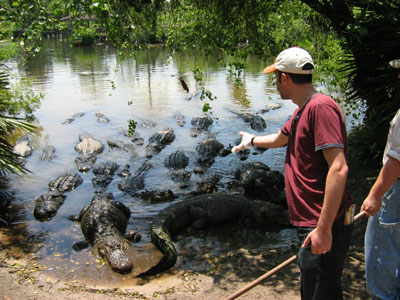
point(319, 125)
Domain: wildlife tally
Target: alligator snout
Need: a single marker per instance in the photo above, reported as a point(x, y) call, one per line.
point(119, 262)
point(116, 253)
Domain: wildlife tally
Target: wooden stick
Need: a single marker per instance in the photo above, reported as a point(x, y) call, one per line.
point(274, 270)
point(263, 277)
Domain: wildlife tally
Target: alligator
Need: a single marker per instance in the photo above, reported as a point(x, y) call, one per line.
point(74, 116)
point(148, 123)
point(176, 160)
point(88, 148)
point(212, 209)
point(132, 184)
point(65, 182)
point(157, 196)
point(181, 175)
point(208, 185)
point(47, 205)
point(256, 122)
point(103, 223)
point(258, 180)
point(85, 162)
point(158, 141)
point(104, 173)
point(180, 119)
point(101, 118)
point(88, 145)
point(208, 150)
point(135, 138)
point(202, 122)
point(124, 172)
point(48, 153)
point(115, 144)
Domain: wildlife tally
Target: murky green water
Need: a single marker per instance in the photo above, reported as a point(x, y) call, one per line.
point(146, 89)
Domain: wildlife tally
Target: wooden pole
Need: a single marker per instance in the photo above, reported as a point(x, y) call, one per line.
point(273, 271)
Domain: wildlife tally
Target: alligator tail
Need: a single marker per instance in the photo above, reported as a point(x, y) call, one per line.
point(164, 243)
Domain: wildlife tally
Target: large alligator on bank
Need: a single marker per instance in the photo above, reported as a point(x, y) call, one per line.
point(204, 210)
point(103, 223)
point(258, 180)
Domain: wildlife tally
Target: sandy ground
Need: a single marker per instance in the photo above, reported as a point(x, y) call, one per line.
point(21, 278)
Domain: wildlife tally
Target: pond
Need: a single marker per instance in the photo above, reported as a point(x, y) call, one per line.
point(146, 89)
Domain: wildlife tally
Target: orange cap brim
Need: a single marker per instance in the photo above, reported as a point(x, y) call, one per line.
point(270, 69)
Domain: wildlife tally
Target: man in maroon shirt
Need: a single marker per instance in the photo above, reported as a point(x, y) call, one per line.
point(315, 175)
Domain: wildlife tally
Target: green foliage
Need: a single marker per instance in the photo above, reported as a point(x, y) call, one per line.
point(131, 127)
point(216, 27)
point(32, 19)
point(127, 24)
point(8, 125)
point(83, 35)
point(18, 98)
point(206, 108)
point(8, 159)
point(205, 94)
point(6, 29)
point(8, 50)
point(370, 33)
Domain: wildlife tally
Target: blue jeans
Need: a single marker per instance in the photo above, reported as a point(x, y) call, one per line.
point(382, 248)
point(320, 277)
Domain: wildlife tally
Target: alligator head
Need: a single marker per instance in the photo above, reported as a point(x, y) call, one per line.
point(115, 249)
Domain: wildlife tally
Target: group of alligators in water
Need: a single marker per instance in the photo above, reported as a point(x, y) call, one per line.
point(104, 221)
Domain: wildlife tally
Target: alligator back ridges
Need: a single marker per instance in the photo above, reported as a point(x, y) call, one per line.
point(209, 147)
point(176, 160)
point(198, 212)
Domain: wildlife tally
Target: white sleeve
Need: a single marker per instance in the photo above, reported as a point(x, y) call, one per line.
point(393, 146)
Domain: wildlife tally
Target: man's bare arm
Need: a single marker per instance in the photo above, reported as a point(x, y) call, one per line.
point(321, 236)
point(274, 140)
point(389, 173)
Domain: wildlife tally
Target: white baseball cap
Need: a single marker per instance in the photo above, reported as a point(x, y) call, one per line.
point(395, 63)
point(292, 60)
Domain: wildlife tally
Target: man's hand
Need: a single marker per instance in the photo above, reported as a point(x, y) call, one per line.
point(321, 241)
point(371, 205)
point(388, 175)
point(245, 143)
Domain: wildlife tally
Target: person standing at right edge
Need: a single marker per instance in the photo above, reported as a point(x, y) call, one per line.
point(315, 175)
point(382, 236)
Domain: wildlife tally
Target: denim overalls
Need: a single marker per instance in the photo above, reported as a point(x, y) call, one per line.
point(382, 248)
